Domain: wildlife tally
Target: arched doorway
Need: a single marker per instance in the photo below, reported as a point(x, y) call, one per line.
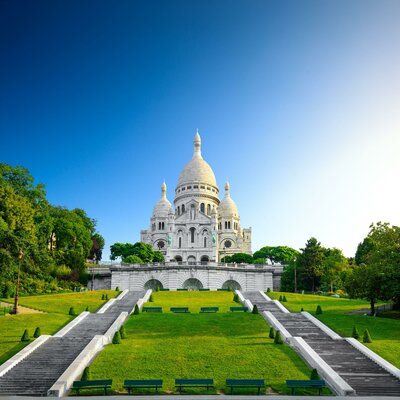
point(192, 284)
point(231, 284)
point(191, 260)
point(153, 284)
point(204, 260)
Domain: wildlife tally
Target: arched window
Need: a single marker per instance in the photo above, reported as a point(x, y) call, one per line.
point(229, 224)
point(226, 225)
point(183, 208)
point(202, 207)
point(179, 210)
point(205, 241)
point(162, 225)
point(208, 209)
point(159, 226)
point(220, 226)
point(180, 242)
point(192, 230)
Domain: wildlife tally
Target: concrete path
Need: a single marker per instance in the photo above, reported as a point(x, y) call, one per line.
point(35, 375)
point(360, 372)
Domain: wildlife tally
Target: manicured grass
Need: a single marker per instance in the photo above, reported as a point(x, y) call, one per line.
point(12, 327)
point(385, 332)
point(61, 303)
point(219, 346)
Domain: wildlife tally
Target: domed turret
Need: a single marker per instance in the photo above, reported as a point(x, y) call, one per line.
point(163, 207)
point(227, 207)
point(197, 169)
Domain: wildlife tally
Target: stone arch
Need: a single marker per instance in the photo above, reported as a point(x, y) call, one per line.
point(192, 284)
point(191, 259)
point(231, 284)
point(178, 258)
point(204, 259)
point(153, 284)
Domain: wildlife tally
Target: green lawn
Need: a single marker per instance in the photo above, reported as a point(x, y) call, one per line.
point(385, 332)
point(219, 346)
point(60, 303)
point(56, 307)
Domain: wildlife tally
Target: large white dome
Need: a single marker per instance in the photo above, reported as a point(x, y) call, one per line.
point(227, 208)
point(197, 169)
point(163, 207)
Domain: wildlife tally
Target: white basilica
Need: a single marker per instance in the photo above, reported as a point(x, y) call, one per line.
point(199, 228)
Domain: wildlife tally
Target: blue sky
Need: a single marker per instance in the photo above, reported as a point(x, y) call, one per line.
point(297, 103)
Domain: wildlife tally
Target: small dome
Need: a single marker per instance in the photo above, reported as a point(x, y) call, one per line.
point(163, 207)
point(197, 169)
point(227, 208)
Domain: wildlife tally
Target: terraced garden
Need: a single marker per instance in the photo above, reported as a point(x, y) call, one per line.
point(337, 315)
point(219, 346)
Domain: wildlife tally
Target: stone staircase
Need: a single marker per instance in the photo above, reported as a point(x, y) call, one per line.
point(365, 376)
point(35, 375)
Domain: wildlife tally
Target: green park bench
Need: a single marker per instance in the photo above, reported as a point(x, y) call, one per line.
point(98, 384)
point(142, 384)
point(182, 383)
point(180, 310)
point(208, 310)
point(233, 309)
point(152, 309)
point(295, 384)
point(222, 290)
point(204, 289)
point(182, 290)
point(245, 383)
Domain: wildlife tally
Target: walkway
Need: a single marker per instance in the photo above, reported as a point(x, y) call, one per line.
point(361, 373)
point(35, 375)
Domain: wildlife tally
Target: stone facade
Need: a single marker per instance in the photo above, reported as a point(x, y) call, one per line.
point(200, 228)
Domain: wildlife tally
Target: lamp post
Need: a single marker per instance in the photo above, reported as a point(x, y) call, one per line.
point(20, 256)
point(295, 276)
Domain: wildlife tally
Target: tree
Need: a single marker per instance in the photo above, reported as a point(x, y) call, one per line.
point(238, 258)
point(133, 260)
point(97, 247)
point(334, 264)
point(276, 254)
point(141, 250)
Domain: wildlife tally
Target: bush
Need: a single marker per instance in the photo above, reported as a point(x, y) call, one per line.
point(37, 333)
point(117, 289)
point(25, 337)
point(86, 376)
point(302, 309)
point(268, 290)
point(284, 299)
point(255, 309)
point(318, 311)
point(367, 337)
point(278, 338)
point(355, 333)
point(103, 297)
point(236, 298)
point(87, 308)
point(136, 311)
point(106, 298)
point(280, 298)
point(122, 332)
point(314, 375)
point(151, 299)
point(72, 311)
point(271, 333)
point(117, 338)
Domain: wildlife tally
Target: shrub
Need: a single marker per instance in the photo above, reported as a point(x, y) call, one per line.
point(355, 333)
point(136, 311)
point(86, 376)
point(151, 299)
point(117, 289)
point(37, 333)
point(367, 337)
point(302, 309)
point(280, 298)
point(268, 290)
point(117, 338)
point(278, 338)
point(271, 333)
point(284, 299)
point(71, 311)
point(106, 298)
point(314, 375)
point(255, 309)
point(25, 337)
point(236, 298)
point(229, 289)
point(318, 310)
point(122, 332)
point(103, 297)
point(87, 308)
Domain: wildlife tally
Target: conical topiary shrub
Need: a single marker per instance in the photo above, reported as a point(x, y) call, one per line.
point(236, 298)
point(25, 337)
point(255, 309)
point(71, 311)
point(318, 310)
point(278, 338)
point(280, 298)
point(271, 333)
point(103, 297)
point(367, 337)
point(117, 289)
point(314, 375)
point(86, 376)
point(87, 308)
point(106, 298)
point(37, 333)
point(136, 310)
point(151, 298)
point(355, 333)
point(122, 332)
point(284, 299)
point(268, 290)
point(302, 309)
point(116, 338)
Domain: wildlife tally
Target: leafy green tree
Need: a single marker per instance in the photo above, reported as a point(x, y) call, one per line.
point(142, 250)
point(158, 256)
point(276, 254)
point(334, 264)
point(96, 251)
point(238, 258)
point(133, 260)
